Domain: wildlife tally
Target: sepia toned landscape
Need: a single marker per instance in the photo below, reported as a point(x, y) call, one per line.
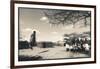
point(50, 34)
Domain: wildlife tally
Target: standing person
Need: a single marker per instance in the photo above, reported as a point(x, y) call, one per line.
point(77, 42)
point(67, 47)
point(86, 41)
point(82, 43)
point(73, 41)
point(33, 39)
point(86, 45)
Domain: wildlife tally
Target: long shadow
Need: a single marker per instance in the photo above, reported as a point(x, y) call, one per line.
point(27, 58)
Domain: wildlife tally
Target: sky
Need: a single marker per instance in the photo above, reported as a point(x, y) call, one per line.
point(31, 19)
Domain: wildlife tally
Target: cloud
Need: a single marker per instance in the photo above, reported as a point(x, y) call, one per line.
point(43, 18)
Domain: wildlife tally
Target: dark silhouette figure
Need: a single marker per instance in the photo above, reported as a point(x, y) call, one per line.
point(33, 39)
point(77, 42)
point(73, 41)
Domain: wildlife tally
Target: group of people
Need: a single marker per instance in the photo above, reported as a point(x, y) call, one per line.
point(78, 44)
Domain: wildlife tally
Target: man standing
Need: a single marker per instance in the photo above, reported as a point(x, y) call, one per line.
point(33, 39)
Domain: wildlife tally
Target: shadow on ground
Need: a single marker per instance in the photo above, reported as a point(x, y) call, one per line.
point(28, 58)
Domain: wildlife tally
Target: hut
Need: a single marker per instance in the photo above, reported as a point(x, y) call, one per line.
point(45, 44)
point(23, 45)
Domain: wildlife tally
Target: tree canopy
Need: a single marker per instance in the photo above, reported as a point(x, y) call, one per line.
point(67, 17)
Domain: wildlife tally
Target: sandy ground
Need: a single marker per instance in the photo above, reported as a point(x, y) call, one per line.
point(50, 53)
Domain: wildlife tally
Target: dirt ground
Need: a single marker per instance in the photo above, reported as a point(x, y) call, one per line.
point(51, 53)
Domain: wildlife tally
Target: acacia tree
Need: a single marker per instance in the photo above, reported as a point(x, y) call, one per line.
point(57, 17)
